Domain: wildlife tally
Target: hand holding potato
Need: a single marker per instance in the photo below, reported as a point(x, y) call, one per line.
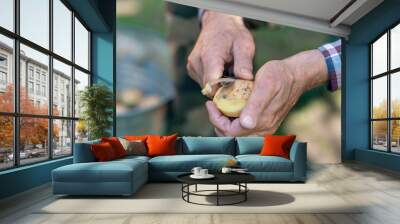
point(277, 87)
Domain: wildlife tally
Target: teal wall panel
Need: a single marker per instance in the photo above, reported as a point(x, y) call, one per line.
point(356, 84)
point(24, 178)
point(380, 159)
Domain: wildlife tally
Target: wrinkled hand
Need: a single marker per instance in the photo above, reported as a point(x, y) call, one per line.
point(223, 39)
point(277, 87)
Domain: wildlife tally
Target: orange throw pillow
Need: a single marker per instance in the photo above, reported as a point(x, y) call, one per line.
point(116, 145)
point(161, 145)
point(277, 145)
point(103, 152)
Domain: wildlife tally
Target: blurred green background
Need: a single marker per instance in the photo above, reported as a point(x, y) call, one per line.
point(155, 94)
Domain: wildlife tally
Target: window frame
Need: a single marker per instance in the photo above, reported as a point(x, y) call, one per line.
point(16, 114)
point(388, 74)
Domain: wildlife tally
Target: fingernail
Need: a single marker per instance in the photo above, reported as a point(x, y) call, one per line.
point(248, 122)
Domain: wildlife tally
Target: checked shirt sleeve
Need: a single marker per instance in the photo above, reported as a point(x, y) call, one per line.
point(332, 53)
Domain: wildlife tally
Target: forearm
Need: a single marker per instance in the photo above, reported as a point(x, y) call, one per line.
point(309, 68)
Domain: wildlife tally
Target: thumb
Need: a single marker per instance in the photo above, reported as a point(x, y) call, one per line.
point(243, 54)
point(259, 99)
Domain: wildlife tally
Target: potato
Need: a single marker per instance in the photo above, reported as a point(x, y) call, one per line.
point(231, 99)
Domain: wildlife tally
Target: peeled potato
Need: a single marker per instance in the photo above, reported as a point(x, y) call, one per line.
point(231, 99)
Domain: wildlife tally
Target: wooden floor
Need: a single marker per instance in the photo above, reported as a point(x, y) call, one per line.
point(351, 181)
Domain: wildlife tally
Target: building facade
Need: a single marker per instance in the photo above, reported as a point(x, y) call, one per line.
point(34, 81)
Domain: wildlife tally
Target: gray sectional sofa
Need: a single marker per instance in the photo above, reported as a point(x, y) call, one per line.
point(125, 176)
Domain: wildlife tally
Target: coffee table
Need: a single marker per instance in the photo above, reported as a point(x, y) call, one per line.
point(238, 179)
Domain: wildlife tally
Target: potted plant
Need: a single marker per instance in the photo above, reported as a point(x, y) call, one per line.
point(96, 102)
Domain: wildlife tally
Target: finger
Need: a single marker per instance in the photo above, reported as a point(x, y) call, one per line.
point(262, 95)
point(218, 132)
point(194, 67)
point(236, 129)
point(213, 67)
point(216, 117)
point(243, 53)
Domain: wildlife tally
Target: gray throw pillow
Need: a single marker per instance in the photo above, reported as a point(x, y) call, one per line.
point(137, 147)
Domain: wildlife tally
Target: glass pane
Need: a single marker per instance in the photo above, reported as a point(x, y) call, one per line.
point(62, 89)
point(35, 21)
point(379, 135)
point(6, 74)
point(379, 56)
point(395, 94)
point(395, 47)
point(6, 142)
point(34, 92)
point(81, 81)
point(379, 97)
point(62, 138)
point(395, 136)
point(33, 139)
point(62, 29)
point(81, 131)
point(7, 14)
point(81, 45)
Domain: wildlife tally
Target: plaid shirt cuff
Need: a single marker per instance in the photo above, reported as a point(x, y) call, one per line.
point(332, 53)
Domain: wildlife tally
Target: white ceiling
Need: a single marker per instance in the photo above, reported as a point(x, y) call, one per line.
point(326, 16)
point(321, 9)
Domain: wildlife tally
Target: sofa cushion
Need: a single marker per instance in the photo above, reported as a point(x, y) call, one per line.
point(249, 145)
point(185, 163)
point(112, 171)
point(207, 145)
point(132, 158)
point(257, 163)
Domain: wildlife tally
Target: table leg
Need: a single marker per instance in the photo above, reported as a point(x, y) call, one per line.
point(188, 190)
point(217, 194)
point(245, 193)
point(195, 188)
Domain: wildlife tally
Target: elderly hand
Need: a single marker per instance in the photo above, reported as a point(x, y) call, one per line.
point(278, 85)
point(223, 39)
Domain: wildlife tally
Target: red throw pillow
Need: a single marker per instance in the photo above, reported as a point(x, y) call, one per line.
point(277, 145)
point(116, 145)
point(161, 145)
point(103, 152)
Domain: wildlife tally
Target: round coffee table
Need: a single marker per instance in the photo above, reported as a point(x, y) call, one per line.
point(238, 179)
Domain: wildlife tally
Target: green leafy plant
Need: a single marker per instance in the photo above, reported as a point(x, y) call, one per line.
point(96, 102)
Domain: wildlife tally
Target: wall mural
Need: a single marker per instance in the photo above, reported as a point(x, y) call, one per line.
point(156, 93)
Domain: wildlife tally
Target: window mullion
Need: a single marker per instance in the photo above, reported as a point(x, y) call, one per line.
point(16, 84)
point(371, 142)
point(50, 81)
point(73, 82)
point(389, 101)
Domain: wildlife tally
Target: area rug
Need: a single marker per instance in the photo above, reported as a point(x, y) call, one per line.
point(166, 198)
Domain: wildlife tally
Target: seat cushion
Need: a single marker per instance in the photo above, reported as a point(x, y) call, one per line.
point(249, 145)
point(257, 163)
point(206, 145)
point(111, 171)
point(185, 163)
